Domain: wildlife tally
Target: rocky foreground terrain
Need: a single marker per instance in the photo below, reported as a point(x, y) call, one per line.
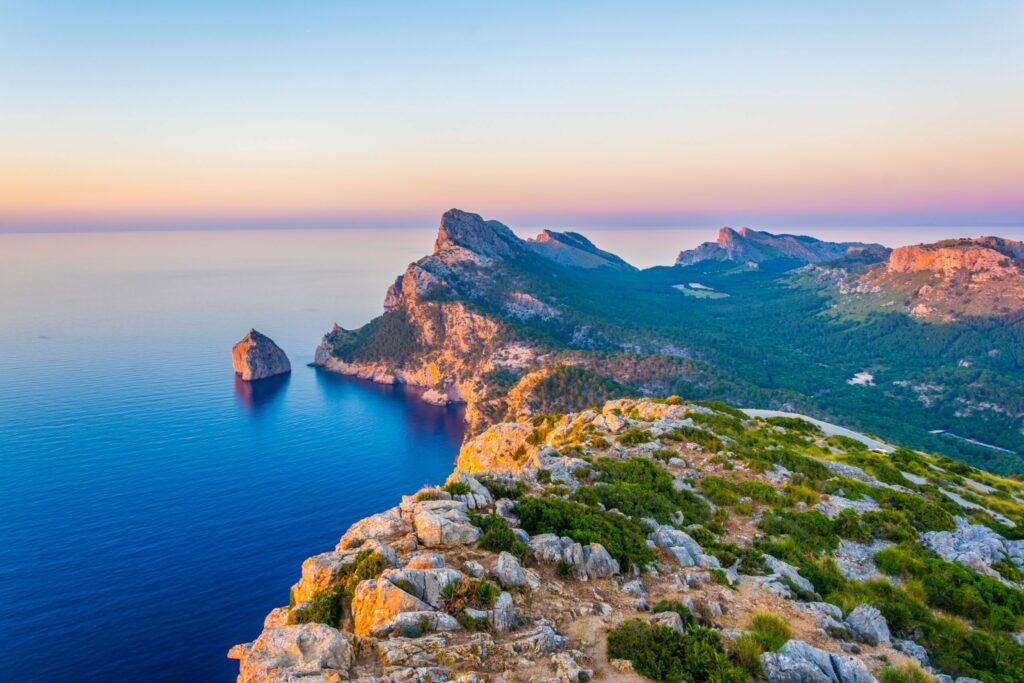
point(666, 540)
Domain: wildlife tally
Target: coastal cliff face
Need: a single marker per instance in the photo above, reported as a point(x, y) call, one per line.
point(754, 246)
point(256, 356)
point(599, 545)
point(453, 321)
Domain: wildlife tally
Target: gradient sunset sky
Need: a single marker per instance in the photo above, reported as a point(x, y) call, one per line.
point(263, 114)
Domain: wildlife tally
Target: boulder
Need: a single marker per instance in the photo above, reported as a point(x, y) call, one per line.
point(478, 496)
point(588, 561)
point(425, 561)
point(799, 662)
point(684, 549)
point(974, 546)
point(866, 624)
point(426, 584)
point(386, 527)
point(856, 561)
point(508, 571)
point(377, 603)
point(502, 615)
point(670, 619)
point(443, 523)
point(290, 654)
point(256, 356)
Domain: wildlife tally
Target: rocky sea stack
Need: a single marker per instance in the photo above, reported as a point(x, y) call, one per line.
point(258, 357)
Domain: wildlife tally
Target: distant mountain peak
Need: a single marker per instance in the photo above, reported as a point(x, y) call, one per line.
point(470, 231)
point(747, 245)
point(574, 250)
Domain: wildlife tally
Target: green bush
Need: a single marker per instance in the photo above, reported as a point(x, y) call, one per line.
point(499, 489)
point(640, 488)
point(544, 476)
point(497, 534)
point(624, 538)
point(457, 488)
point(794, 424)
point(720, 491)
point(909, 672)
point(459, 594)
point(810, 530)
point(326, 607)
point(664, 454)
point(664, 654)
point(759, 491)
point(770, 631)
point(634, 436)
point(701, 437)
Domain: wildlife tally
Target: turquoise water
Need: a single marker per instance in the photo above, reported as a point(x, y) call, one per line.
point(153, 509)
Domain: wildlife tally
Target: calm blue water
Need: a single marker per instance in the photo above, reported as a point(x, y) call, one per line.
point(153, 509)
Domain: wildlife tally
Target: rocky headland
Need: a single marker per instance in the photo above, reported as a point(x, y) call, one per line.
point(665, 540)
point(256, 356)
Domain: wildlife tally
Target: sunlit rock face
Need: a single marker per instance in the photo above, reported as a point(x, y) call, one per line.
point(754, 246)
point(258, 357)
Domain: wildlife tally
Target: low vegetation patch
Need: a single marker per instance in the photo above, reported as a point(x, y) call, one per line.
point(498, 535)
point(663, 654)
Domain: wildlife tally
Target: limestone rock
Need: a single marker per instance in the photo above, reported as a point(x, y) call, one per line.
point(425, 561)
point(799, 662)
point(589, 561)
point(684, 549)
point(443, 523)
point(258, 357)
point(508, 571)
point(320, 572)
point(974, 546)
point(670, 619)
point(868, 625)
point(376, 604)
point(386, 527)
point(299, 653)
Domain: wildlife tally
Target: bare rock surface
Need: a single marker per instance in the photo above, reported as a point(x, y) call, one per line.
point(258, 357)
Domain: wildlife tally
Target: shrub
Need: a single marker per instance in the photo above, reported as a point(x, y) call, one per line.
point(810, 530)
point(326, 607)
point(795, 493)
point(498, 535)
point(406, 585)
point(720, 491)
point(457, 488)
point(759, 491)
point(664, 454)
point(544, 476)
point(720, 407)
point(470, 623)
point(563, 569)
point(794, 424)
point(721, 578)
point(746, 652)
point(664, 654)
point(425, 495)
point(624, 538)
point(679, 608)
point(499, 489)
point(634, 436)
point(459, 594)
point(640, 488)
point(845, 443)
point(909, 672)
point(702, 438)
point(599, 442)
point(770, 631)
point(923, 514)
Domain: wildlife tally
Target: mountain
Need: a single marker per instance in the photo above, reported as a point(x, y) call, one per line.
point(955, 278)
point(753, 246)
point(670, 540)
point(574, 250)
point(490, 320)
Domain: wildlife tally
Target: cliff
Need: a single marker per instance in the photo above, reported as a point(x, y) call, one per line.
point(753, 246)
point(953, 279)
point(600, 545)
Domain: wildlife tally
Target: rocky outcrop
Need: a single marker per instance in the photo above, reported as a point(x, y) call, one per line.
point(974, 546)
point(289, 654)
point(443, 523)
point(867, 625)
point(256, 356)
point(953, 278)
point(589, 560)
point(753, 246)
point(799, 662)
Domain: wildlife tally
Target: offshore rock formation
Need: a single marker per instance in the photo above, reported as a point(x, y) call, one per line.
point(430, 590)
point(258, 357)
point(754, 246)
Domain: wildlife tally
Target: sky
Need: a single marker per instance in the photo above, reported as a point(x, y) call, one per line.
point(299, 114)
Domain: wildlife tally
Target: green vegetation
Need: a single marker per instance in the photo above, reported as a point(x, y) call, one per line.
point(457, 488)
point(770, 631)
point(701, 437)
point(634, 436)
point(498, 535)
point(663, 654)
point(623, 537)
point(640, 488)
point(569, 388)
point(328, 606)
point(910, 672)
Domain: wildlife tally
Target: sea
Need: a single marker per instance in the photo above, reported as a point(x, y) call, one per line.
point(154, 508)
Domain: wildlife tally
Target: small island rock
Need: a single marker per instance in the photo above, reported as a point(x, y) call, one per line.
point(258, 357)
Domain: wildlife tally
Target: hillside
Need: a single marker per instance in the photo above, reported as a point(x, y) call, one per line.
point(490, 320)
point(666, 540)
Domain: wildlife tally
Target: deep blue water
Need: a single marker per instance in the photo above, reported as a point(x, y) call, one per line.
point(152, 508)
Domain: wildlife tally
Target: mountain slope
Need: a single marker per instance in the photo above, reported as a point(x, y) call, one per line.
point(487, 320)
